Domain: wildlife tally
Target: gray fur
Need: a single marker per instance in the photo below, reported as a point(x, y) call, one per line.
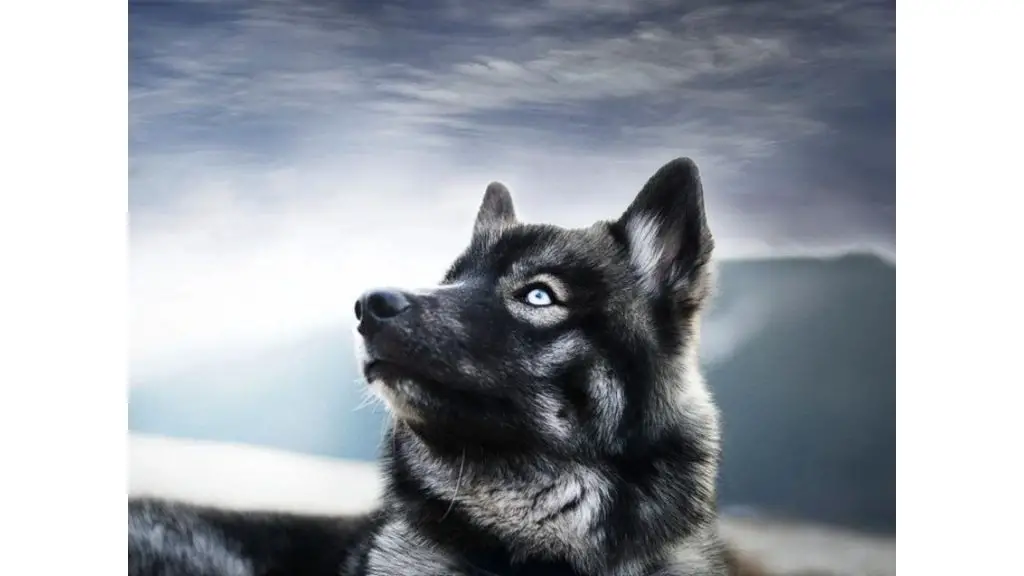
point(183, 542)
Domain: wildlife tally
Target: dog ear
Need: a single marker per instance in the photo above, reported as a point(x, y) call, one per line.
point(496, 210)
point(668, 235)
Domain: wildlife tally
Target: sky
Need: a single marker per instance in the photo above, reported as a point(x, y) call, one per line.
point(287, 154)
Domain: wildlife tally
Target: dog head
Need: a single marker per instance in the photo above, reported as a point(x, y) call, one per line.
point(540, 337)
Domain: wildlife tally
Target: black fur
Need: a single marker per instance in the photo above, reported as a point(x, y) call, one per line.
point(549, 417)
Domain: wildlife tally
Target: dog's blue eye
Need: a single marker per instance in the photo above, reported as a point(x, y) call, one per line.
point(539, 297)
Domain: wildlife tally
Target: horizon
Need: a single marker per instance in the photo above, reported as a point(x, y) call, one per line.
point(717, 341)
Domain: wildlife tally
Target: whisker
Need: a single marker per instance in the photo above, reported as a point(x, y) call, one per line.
point(369, 399)
point(458, 484)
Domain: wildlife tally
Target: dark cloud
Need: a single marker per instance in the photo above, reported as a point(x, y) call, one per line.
point(784, 101)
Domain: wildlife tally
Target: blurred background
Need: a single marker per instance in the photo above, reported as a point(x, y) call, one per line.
point(286, 154)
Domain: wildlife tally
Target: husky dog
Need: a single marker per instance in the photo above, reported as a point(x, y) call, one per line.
point(549, 416)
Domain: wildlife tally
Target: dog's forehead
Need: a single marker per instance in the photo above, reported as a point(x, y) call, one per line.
point(517, 248)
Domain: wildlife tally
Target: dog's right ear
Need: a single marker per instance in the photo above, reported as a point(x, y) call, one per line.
point(496, 211)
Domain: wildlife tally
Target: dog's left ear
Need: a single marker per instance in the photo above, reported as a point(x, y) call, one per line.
point(668, 235)
point(496, 211)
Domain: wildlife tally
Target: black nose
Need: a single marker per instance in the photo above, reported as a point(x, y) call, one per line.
point(377, 306)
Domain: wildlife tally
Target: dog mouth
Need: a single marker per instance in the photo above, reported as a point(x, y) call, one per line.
point(389, 372)
point(385, 371)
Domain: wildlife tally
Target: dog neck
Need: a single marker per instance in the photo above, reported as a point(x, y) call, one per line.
point(614, 516)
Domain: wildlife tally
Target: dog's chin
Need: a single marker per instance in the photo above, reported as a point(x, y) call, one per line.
point(400, 388)
point(399, 401)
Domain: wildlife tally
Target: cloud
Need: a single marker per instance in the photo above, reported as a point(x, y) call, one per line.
point(641, 62)
point(285, 155)
point(214, 69)
point(717, 74)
